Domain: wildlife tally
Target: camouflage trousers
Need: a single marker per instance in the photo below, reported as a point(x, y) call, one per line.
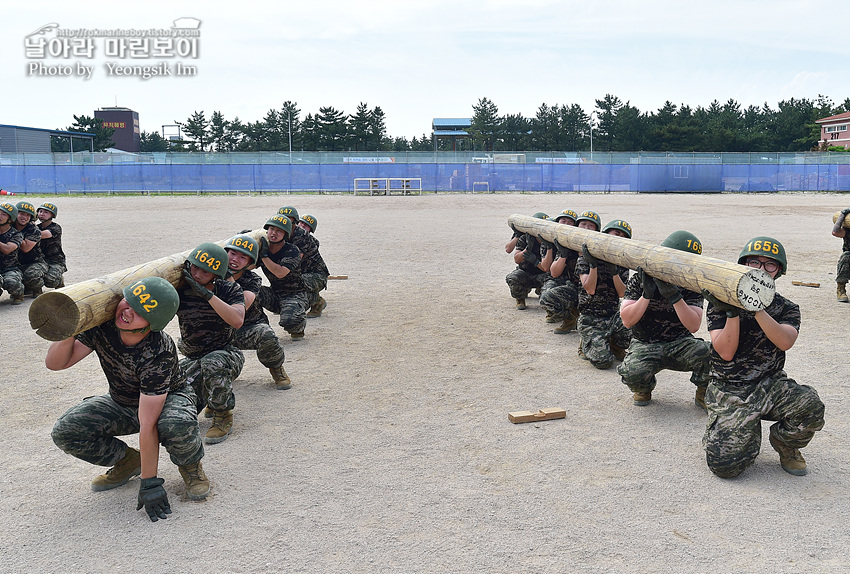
point(314, 283)
point(644, 360)
point(842, 274)
point(733, 435)
point(12, 281)
point(292, 308)
point(34, 274)
point(597, 336)
point(559, 300)
point(88, 430)
point(212, 376)
point(262, 338)
point(522, 282)
point(53, 274)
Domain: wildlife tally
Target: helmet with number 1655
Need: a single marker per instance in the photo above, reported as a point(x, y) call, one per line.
point(766, 247)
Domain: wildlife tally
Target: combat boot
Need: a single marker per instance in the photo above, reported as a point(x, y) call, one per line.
point(36, 292)
point(317, 308)
point(124, 470)
point(297, 336)
point(538, 291)
point(520, 303)
point(197, 483)
point(841, 293)
point(641, 399)
point(208, 413)
point(790, 459)
point(550, 318)
point(567, 326)
point(61, 283)
point(17, 300)
point(699, 399)
point(221, 426)
point(281, 379)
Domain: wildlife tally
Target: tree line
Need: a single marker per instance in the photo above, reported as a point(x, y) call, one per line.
point(613, 125)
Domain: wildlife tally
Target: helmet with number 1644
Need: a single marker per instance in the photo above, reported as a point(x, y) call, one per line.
point(245, 244)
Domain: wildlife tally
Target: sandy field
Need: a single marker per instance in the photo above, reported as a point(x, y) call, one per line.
point(393, 451)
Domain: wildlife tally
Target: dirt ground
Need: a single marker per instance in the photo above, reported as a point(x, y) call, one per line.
point(393, 451)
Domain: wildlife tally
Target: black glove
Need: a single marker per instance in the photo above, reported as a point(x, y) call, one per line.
point(548, 245)
point(517, 232)
point(563, 252)
point(647, 283)
point(264, 249)
point(590, 259)
point(668, 291)
point(845, 211)
point(196, 287)
point(731, 310)
point(152, 496)
point(530, 256)
point(244, 231)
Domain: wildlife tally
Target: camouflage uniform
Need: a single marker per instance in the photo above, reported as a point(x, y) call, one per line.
point(32, 264)
point(751, 387)
point(599, 322)
point(212, 360)
point(10, 274)
point(842, 274)
point(314, 272)
point(88, 430)
point(256, 333)
point(560, 294)
point(660, 341)
point(54, 257)
point(286, 296)
point(526, 276)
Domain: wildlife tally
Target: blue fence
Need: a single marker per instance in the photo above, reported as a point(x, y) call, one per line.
point(674, 175)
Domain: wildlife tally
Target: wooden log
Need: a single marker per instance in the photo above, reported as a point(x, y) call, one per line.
point(549, 414)
point(846, 223)
point(805, 283)
point(738, 285)
point(65, 312)
point(338, 277)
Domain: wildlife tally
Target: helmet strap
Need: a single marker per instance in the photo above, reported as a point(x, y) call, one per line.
point(142, 330)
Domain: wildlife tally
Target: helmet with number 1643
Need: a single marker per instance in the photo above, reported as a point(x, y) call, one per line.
point(766, 247)
point(209, 257)
point(154, 299)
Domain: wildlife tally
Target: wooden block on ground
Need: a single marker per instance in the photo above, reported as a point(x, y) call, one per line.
point(337, 276)
point(805, 284)
point(541, 415)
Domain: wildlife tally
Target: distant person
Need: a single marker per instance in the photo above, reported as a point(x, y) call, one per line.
point(51, 245)
point(560, 291)
point(532, 262)
point(842, 274)
point(30, 258)
point(10, 241)
point(748, 379)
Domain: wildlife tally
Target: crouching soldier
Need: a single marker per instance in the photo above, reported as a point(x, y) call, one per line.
point(663, 318)
point(560, 291)
point(255, 332)
point(314, 272)
point(51, 245)
point(211, 309)
point(31, 261)
point(10, 240)
point(148, 395)
point(533, 261)
point(748, 380)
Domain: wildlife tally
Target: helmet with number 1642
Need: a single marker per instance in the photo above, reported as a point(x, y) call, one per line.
point(154, 299)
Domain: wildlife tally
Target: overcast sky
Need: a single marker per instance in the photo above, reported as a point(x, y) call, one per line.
point(420, 60)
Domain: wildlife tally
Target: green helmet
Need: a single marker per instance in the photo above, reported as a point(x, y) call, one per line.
point(10, 210)
point(245, 244)
point(310, 221)
point(540, 215)
point(567, 213)
point(51, 207)
point(683, 241)
point(289, 211)
point(281, 222)
point(209, 257)
point(621, 225)
point(766, 247)
point(154, 299)
point(590, 216)
point(26, 207)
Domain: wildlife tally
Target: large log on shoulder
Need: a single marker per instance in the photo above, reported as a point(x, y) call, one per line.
point(59, 314)
point(739, 285)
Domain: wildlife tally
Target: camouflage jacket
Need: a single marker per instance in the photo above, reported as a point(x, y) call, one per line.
point(202, 330)
point(660, 323)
